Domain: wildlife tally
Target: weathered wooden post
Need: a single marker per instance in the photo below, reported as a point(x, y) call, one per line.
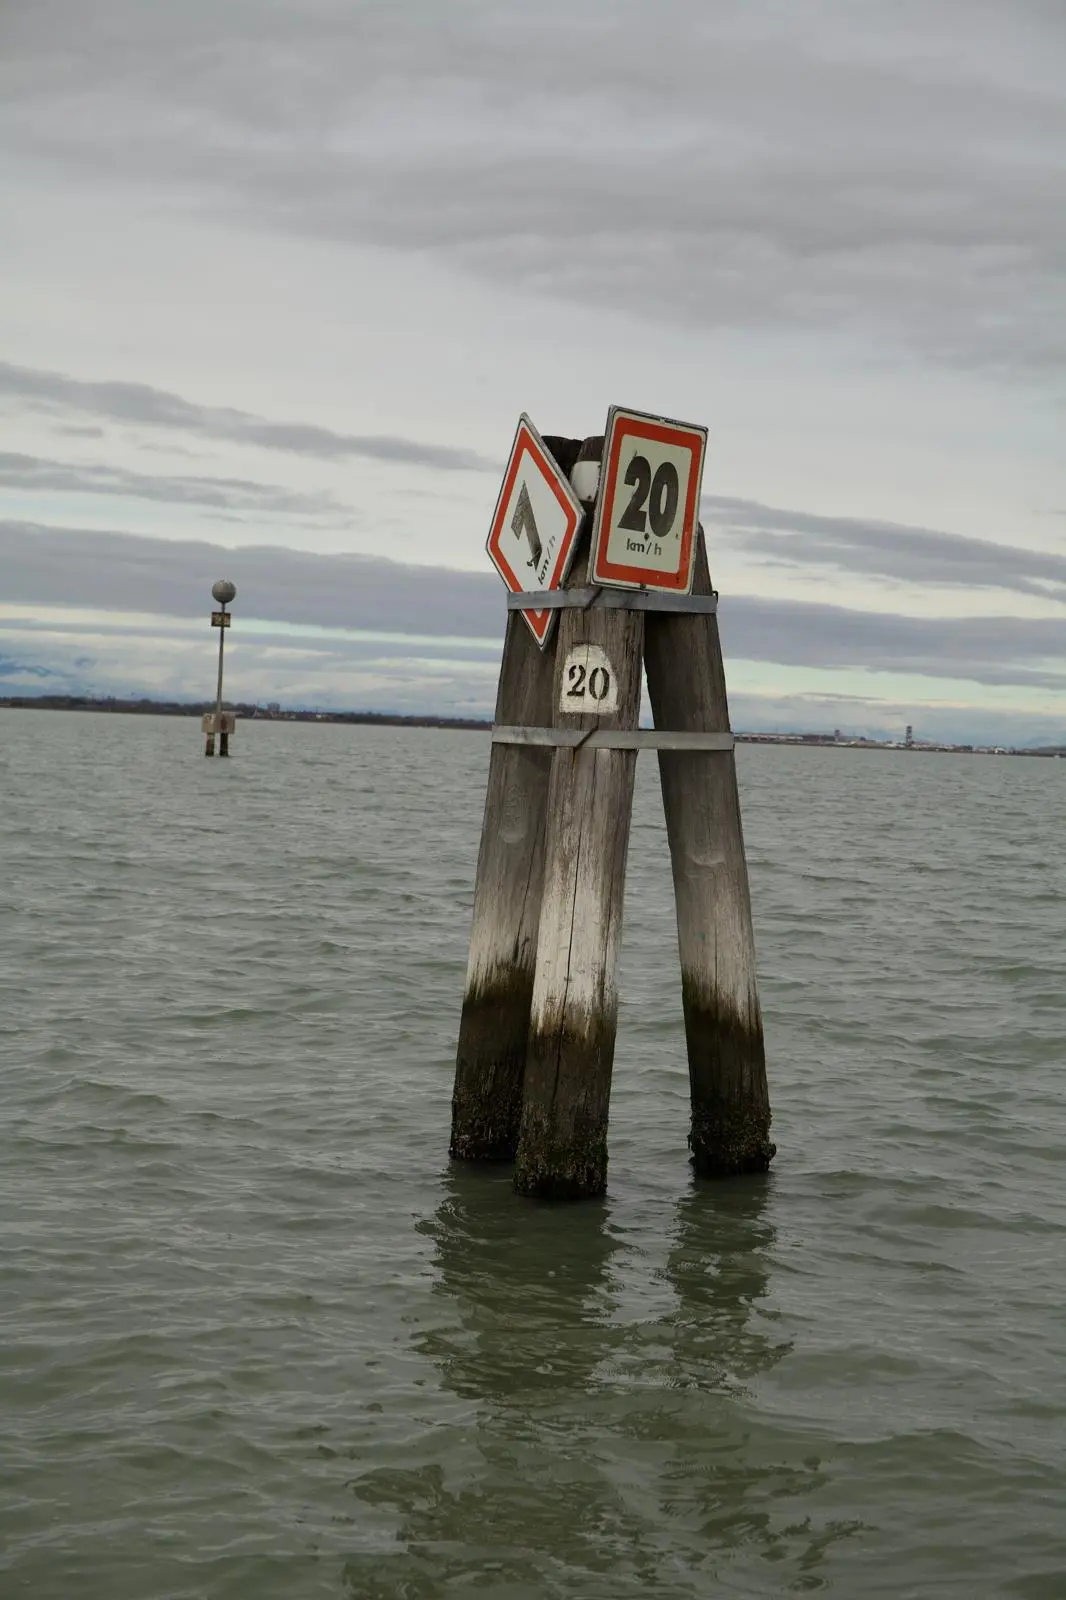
point(531, 541)
point(225, 593)
point(723, 1020)
point(562, 1149)
point(559, 923)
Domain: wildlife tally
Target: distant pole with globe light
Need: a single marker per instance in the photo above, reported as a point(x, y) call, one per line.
point(224, 593)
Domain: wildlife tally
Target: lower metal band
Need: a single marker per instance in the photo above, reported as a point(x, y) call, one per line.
point(612, 738)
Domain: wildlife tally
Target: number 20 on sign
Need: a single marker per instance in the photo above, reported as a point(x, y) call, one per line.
point(644, 536)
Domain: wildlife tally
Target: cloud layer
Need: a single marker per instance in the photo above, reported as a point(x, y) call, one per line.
point(838, 226)
point(147, 407)
point(889, 170)
point(883, 550)
point(122, 573)
point(40, 476)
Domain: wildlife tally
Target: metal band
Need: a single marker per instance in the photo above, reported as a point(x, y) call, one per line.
point(613, 738)
point(612, 600)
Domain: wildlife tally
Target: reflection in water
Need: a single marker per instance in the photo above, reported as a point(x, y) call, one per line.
point(529, 1284)
point(606, 1453)
point(718, 1266)
point(530, 1288)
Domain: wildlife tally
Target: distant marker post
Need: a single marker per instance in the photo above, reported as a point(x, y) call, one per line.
point(224, 592)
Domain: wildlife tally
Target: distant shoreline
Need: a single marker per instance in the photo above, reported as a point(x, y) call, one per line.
point(388, 719)
point(245, 713)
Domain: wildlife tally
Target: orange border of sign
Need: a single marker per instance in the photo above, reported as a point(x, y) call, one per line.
point(620, 423)
point(528, 441)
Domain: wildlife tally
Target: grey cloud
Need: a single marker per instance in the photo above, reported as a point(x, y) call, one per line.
point(119, 571)
point(144, 406)
point(12, 667)
point(989, 650)
point(893, 170)
point(232, 495)
point(113, 571)
point(883, 549)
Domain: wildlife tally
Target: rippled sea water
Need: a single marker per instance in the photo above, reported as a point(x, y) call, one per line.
point(258, 1339)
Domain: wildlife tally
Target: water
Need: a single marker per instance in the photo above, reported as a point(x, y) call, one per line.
point(258, 1340)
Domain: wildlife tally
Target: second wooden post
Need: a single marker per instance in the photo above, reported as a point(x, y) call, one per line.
point(562, 1147)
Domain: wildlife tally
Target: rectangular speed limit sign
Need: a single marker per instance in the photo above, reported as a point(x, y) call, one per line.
point(644, 535)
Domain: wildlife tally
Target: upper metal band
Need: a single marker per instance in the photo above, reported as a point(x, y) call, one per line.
point(612, 600)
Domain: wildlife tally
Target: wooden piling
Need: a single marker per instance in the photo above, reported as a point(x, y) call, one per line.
point(723, 1020)
point(562, 1147)
point(224, 593)
point(494, 1027)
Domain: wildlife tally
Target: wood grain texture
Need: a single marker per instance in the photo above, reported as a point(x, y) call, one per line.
point(723, 1020)
point(562, 1148)
point(494, 1026)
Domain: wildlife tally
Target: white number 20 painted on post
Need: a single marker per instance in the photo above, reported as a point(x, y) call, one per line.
point(598, 681)
point(589, 684)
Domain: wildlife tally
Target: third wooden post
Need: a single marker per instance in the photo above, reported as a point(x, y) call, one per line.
point(723, 1020)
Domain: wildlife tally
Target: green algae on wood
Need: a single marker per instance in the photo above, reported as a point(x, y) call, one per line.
point(490, 1067)
point(731, 1115)
point(562, 1150)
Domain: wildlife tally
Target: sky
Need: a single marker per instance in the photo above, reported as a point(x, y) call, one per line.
point(277, 280)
